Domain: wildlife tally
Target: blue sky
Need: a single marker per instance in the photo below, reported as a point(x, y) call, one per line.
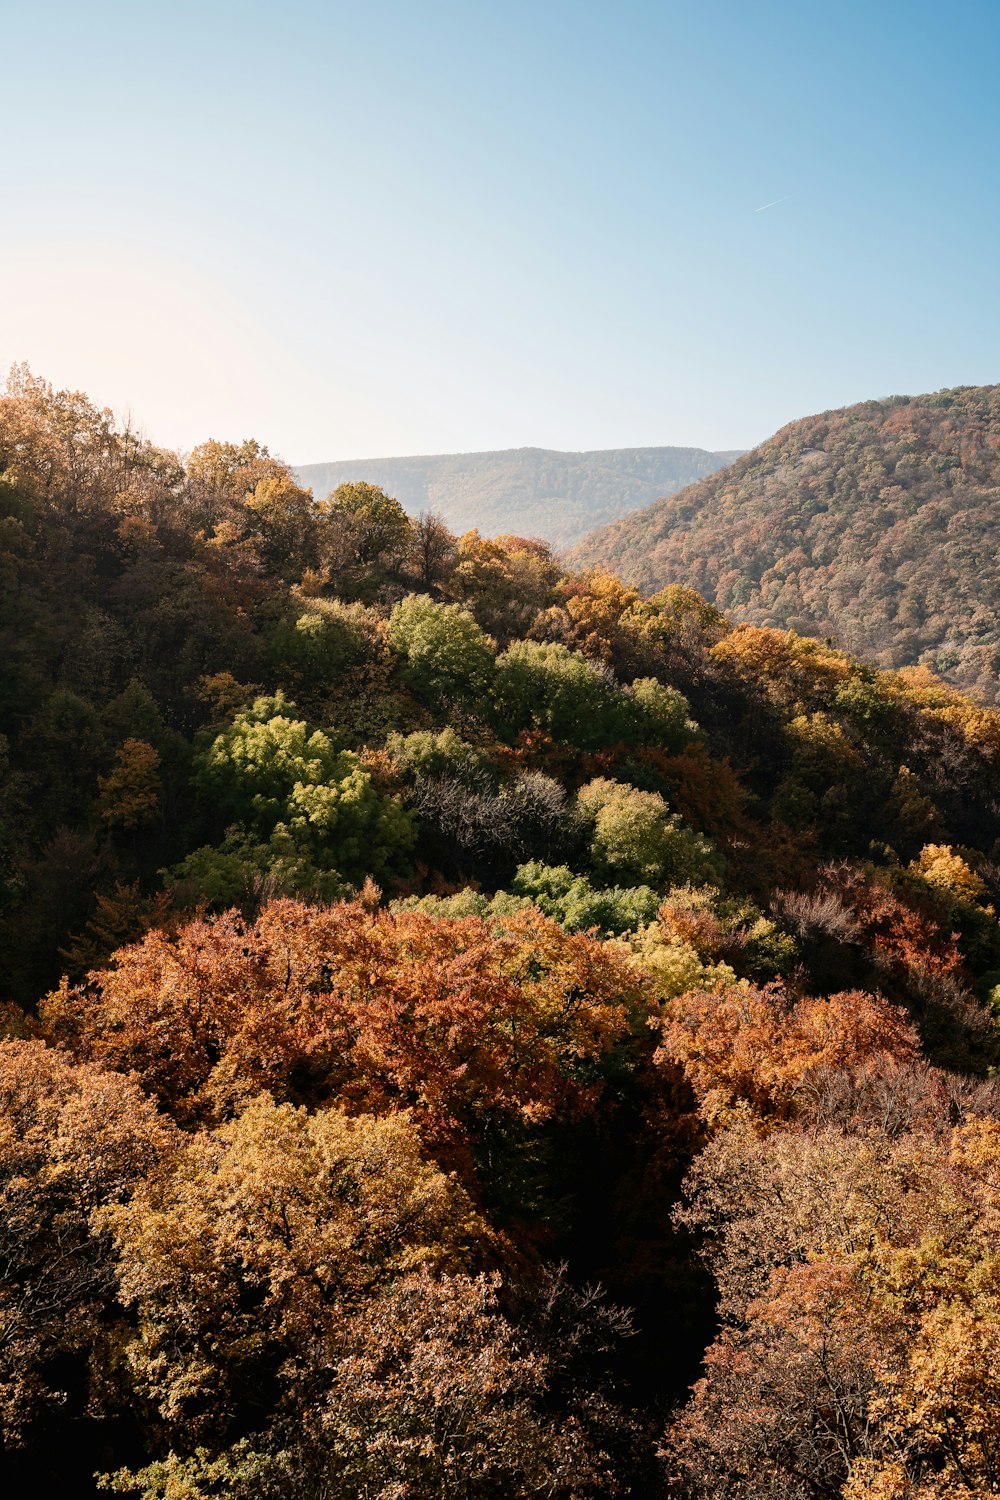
point(361, 229)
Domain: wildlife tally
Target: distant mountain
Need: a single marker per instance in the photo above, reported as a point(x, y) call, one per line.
point(526, 491)
point(878, 524)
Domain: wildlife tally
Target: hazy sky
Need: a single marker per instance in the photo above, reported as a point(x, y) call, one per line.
point(405, 226)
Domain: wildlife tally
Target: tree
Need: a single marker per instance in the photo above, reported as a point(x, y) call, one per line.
point(283, 518)
point(633, 835)
point(551, 688)
point(505, 580)
point(267, 1233)
point(73, 1139)
point(447, 654)
point(433, 551)
point(431, 1388)
point(281, 781)
point(486, 1031)
point(578, 905)
point(753, 1048)
point(375, 524)
point(130, 794)
point(858, 1352)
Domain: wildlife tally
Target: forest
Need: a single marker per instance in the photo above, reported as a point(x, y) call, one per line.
point(875, 526)
point(470, 1029)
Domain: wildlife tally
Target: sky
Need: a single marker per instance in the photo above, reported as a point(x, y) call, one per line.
point(413, 226)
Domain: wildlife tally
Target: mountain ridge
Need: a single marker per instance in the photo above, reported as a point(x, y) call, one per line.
point(556, 494)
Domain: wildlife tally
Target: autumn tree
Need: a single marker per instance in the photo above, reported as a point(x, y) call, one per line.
point(857, 1353)
point(264, 1236)
point(743, 1048)
point(73, 1140)
point(486, 1030)
point(433, 1387)
point(131, 792)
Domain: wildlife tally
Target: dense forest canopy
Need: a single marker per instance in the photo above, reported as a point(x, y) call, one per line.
point(470, 1029)
point(876, 525)
point(538, 491)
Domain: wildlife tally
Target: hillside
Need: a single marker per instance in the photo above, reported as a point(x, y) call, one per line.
point(467, 1030)
point(525, 491)
point(877, 525)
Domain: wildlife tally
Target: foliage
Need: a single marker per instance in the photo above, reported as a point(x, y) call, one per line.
point(872, 524)
point(744, 1048)
point(633, 834)
point(275, 776)
point(130, 794)
point(580, 906)
point(73, 1139)
point(363, 1016)
point(447, 654)
point(466, 1024)
point(429, 753)
point(267, 1231)
point(858, 1353)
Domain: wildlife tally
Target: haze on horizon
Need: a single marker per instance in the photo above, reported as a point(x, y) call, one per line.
point(453, 227)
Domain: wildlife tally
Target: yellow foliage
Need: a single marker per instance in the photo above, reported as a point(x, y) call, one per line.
point(941, 867)
point(268, 1229)
point(130, 794)
point(673, 965)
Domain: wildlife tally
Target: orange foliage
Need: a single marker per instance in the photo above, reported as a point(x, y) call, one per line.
point(467, 1023)
point(536, 750)
point(704, 790)
point(755, 1048)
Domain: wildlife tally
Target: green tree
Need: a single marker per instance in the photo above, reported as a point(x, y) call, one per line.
point(274, 776)
point(634, 836)
point(447, 654)
point(653, 714)
point(546, 686)
point(375, 524)
point(578, 905)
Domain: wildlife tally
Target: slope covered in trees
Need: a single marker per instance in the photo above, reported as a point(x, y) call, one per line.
point(533, 491)
point(876, 525)
point(469, 1030)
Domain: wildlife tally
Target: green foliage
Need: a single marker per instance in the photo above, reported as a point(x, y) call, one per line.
point(464, 903)
point(376, 522)
point(326, 642)
point(653, 714)
point(571, 900)
point(429, 752)
point(634, 836)
point(549, 687)
point(242, 871)
point(578, 905)
point(546, 686)
point(447, 654)
point(278, 779)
